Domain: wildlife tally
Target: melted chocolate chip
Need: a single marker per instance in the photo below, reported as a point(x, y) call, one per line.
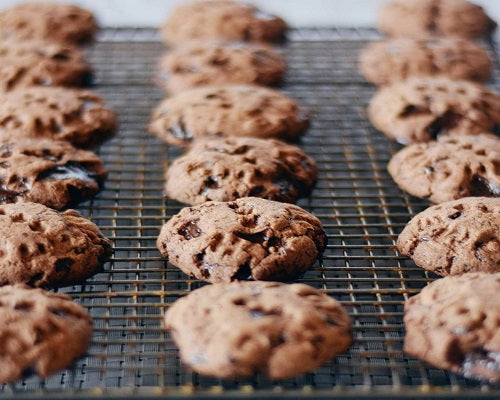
point(244, 273)
point(411, 110)
point(190, 230)
point(63, 264)
point(70, 170)
point(60, 56)
point(455, 215)
point(482, 187)
point(443, 124)
point(259, 237)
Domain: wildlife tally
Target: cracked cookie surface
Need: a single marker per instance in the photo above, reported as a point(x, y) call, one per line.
point(455, 237)
point(39, 63)
point(53, 173)
point(56, 22)
point(236, 110)
point(45, 248)
point(229, 168)
point(228, 21)
point(454, 323)
point(450, 168)
point(240, 329)
point(424, 108)
point(394, 60)
point(41, 332)
point(206, 64)
point(73, 115)
point(249, 238)
point(419, 18)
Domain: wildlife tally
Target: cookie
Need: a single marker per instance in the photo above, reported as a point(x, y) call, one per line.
point(228, 21)
point(397, 59)
point(46, 248)
point(249, 238)
point(40, 332)
point(229, 168)
point(49, 172)
point(38, 63)
point(221, 111)
point(450, 168)
point(231, 330)
point(424, 108)
point(73, 115)
point(206, 64)
point(417, 18)
point(55, 22)
point(454, 324)
point(455, 237)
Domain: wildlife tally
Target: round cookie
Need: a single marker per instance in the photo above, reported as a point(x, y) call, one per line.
point(40, 332)
point(38, 63)
point(206, 64)
point(249, 238)
point(236, 110)
point(55, 22)
point(455, 237)
point(397, 59)
point(454, 323)
point(418, 18)
point(221, 20)
point(46, 248)
point(74, 115)
point(450, 168)
point(424, 108)
point(239, 329)
point(225, 169)
point(49, 172)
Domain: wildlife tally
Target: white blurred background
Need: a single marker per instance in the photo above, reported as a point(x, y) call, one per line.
point(302, 13)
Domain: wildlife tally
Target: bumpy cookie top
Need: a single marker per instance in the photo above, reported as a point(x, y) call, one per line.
point(204, 64)
point(45, 248)
point(250, 238)
point(39, 63)
point(454, 323)
point(239, 329)
point(45, 171)
point(236, 110)
point(221, 20)
point(455, 237)
point(423, 108)
point(229, 168)
point(417, 18)
point(55, 22)
point(450, 168)
point(41, 332)
point(73, 115)
point(397, 59)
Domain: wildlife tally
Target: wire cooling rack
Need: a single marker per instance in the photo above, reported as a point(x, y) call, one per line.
point(361, 208)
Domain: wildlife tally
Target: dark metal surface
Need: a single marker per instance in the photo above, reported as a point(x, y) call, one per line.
point(360, 206)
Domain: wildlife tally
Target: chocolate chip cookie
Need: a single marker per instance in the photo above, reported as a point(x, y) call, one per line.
point(55, 22)
point(455, 237)
point(221, 20)
point(249, 238)
point(205, 64)
point(49, 172)
point(418, 18)
point(239, 110)
point(39, 63)
point(239, 329)
point(74, 115)
point(46, 248)
point(450, 168)
point(394, 60)
point(424, 108)
point(454, 323)
point(225, 169)
point(40, 332)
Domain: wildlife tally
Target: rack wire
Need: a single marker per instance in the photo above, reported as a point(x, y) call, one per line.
point(361, 208)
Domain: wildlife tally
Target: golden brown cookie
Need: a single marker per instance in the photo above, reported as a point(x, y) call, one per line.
point(222, 111)
point(241, 329)
point(229, 21)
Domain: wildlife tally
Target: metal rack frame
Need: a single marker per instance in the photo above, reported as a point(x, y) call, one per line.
point(361, 208)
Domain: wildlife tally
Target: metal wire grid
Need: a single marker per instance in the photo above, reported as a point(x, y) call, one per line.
point(361, 208)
